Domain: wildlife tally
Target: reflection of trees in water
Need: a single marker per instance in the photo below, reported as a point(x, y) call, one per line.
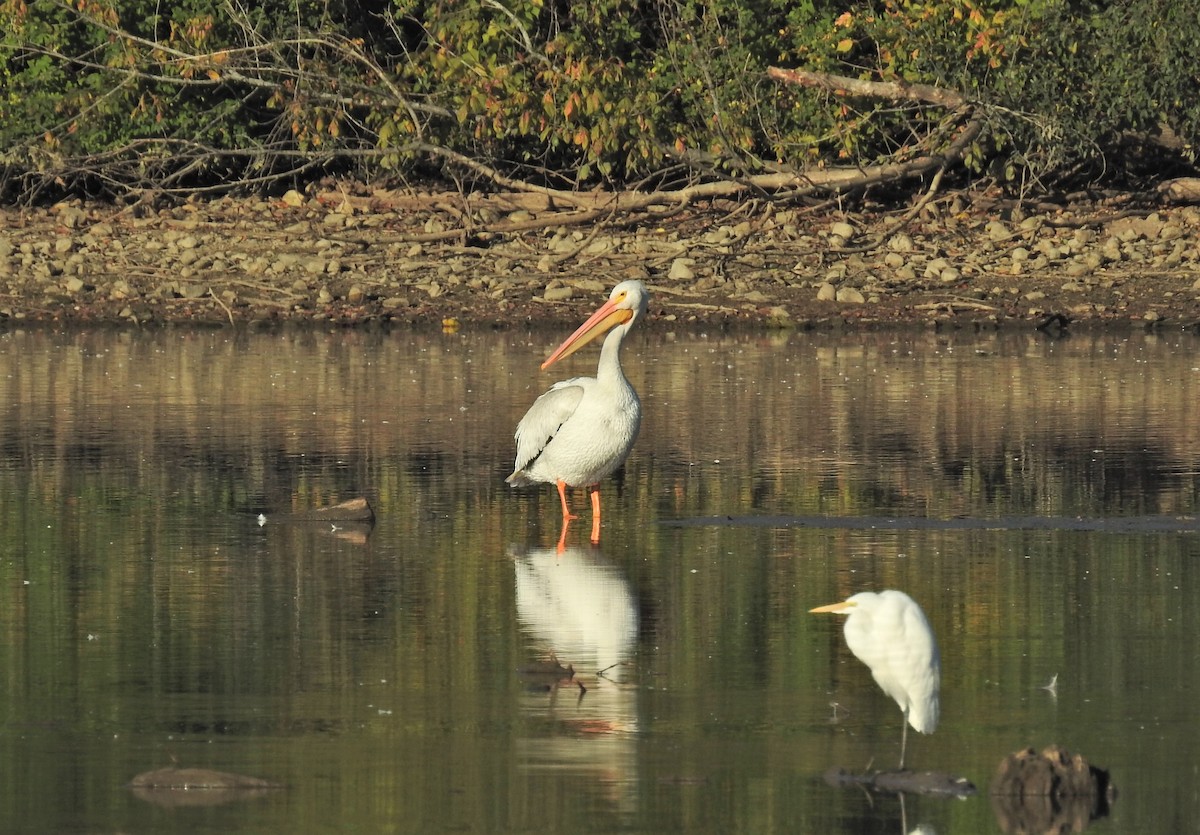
point(923, 423)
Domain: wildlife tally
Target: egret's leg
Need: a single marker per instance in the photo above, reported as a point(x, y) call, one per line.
point(595, 492)
point(562, 495)
point(903, 740)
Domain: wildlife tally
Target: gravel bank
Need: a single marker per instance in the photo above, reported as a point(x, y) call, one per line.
point(353, 260)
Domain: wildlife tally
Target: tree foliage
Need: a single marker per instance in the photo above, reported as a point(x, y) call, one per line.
point(112, 95)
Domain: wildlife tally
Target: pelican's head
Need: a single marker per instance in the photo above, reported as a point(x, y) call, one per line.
point(626, 304)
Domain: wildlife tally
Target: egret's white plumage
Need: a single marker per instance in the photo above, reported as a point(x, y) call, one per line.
point(581, 430)
point(889, 633)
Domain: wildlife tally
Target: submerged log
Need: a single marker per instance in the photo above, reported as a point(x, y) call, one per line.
point(903, 782)
point(352, 510)
point(173, 787)
point(1054, 791)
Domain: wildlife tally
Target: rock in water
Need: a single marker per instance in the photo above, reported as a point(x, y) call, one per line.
point(1054, 791)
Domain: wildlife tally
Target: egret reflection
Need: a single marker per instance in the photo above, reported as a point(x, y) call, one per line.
point(889, 633)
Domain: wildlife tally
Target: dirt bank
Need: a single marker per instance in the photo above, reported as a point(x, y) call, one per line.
point(355, 256)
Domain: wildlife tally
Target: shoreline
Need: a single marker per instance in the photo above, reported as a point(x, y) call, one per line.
point(328, 259)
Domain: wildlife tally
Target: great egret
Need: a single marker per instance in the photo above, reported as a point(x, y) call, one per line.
point(580, 431)
point(890, 634)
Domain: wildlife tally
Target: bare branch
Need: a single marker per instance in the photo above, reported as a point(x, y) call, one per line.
point(891, 90)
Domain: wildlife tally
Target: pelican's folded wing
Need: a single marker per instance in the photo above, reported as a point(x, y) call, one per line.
point(542, 422)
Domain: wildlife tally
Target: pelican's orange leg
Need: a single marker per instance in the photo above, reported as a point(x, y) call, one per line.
point(562, 537)
point(594, 490)
point(562, 494)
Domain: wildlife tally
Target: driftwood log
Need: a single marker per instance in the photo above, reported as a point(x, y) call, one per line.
point(1051, 791)
point(903, 782)
point(1181, 190)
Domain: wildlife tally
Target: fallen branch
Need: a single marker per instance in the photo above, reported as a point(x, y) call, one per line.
point(890, 90)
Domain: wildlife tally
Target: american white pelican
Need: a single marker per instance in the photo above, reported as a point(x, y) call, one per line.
point(889, 633)
point(580, 431)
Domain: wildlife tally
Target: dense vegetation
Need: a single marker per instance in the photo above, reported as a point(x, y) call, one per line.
point(107, 95)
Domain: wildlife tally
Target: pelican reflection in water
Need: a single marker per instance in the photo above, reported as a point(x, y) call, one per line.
point(581, 430)
point(578, 606)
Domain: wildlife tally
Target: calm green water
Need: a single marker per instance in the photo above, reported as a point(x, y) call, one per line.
point(1037, 497)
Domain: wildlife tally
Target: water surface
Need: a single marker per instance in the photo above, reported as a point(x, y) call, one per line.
point(1038, 497)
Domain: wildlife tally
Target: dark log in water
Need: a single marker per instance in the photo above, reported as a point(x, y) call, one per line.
point(906, 782)
point(1054, 791)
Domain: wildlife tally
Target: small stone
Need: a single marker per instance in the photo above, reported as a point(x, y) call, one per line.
point(901, 243)
point(324, 296)
point(935, 267)
point(1035, 296)
point(681, 270)
point(850, 296)
point(1083, 237)
point(997, 231)
point(842, 230)
point(293, 198)
point(558, 294)
point(74, 285)
point(827, 292)
point(355, 294)
point(1170, 232)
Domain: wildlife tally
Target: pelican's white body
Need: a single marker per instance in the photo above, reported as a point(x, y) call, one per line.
point(581, 430)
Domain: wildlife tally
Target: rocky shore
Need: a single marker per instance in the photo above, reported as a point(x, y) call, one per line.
point(342, 258)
